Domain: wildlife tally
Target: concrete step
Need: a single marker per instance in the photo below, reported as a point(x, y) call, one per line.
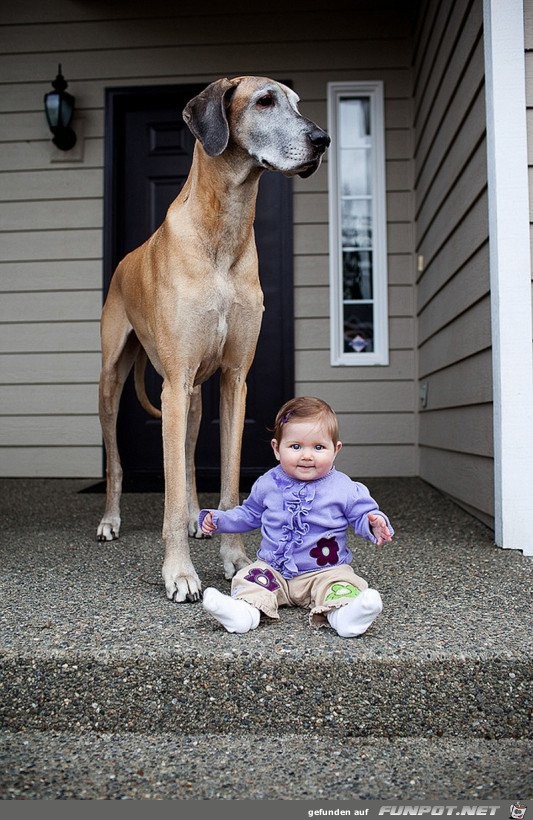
point(330, 690)
point(89, 640)
point(242, 766)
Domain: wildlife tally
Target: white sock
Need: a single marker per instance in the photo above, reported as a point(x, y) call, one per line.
point(354, 618)
point(234, 614)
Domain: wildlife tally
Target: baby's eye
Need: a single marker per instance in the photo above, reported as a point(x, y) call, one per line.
point(319, 447)
point(295, 447)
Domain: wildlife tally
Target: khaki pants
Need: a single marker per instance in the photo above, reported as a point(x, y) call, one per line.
point(320, 591)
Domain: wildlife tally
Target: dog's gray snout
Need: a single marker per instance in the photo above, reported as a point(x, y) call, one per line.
point(319, 138)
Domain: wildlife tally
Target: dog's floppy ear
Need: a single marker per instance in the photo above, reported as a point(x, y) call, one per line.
point(206, 116)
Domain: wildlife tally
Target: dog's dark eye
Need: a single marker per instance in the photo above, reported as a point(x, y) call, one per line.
point(266, 102)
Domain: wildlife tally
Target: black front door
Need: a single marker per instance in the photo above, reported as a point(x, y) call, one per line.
point(148, 155)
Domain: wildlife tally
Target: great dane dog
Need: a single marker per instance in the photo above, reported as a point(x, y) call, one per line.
point(190, 299)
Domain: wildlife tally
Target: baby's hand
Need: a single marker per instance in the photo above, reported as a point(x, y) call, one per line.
point(379, 528)
point(208, 526)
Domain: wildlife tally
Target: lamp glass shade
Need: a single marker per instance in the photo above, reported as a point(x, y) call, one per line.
point(59, 107)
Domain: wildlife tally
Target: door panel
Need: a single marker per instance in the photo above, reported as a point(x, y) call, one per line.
point(148, 155)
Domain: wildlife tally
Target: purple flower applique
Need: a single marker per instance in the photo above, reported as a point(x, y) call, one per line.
point(263, 577)
point(325, 552)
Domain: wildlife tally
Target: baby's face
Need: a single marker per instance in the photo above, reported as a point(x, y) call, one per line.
point(306, 451)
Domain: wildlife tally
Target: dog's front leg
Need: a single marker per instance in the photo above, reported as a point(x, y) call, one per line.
point(181, 581)
point(232, 411)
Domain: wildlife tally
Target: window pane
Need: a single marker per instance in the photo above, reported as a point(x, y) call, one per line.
point(357, 274)
point(358, 328)
point(358, 246)
point(355, 172)
point(354, 120)
point(356, 223)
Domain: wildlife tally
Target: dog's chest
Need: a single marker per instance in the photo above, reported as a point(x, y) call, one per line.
point(224, 310)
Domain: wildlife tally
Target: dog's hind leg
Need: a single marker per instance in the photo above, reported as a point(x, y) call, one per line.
point(193, 427)
point(119, 349)
point(232, 410)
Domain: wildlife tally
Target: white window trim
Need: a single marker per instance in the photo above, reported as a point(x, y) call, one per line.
point(380, 355)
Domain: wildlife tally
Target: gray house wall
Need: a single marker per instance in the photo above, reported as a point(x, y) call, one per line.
point(452, 291)
point(51, 208)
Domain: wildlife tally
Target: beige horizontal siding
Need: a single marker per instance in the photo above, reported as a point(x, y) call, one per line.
point(67, 182)
point(437, 183)
point(35, 156)
point(470, 429)
point(460, 292)
point(43, 462)
point(376, 428)
point(466, 382)
point(49, 399)
point(62, 215)
point(457, 201)
point(384, 460)
point(453, 300)
point(466, 478)
point(51, 212)
point(49, 306)
point(365, 398)
point(50, 337)
point(466, 335)
point(470, 234)
point(49, 368)
point(35, 245)
point(63, 274)
point(447, 98)
point(49, 431)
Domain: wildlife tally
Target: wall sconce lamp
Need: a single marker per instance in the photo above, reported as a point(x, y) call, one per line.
point(59, 108)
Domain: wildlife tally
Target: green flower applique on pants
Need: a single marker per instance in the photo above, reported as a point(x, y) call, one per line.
point(342, 590)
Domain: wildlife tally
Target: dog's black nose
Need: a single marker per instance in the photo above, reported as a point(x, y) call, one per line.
point(320, 139)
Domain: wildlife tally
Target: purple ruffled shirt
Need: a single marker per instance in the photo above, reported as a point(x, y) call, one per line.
point(303, 523)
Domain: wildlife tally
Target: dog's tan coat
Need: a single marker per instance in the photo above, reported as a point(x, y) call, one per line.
point(190, 299)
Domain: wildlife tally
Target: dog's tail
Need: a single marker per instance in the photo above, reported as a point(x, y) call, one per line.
point(138, 375)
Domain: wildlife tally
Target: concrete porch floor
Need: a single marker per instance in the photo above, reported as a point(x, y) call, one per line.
point(109, 690)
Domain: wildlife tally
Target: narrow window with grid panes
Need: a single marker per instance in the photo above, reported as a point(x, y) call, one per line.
point(357, 224)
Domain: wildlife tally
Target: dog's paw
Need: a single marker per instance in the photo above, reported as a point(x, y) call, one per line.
point(195, 531)
point(108, 529)
point(233, 556)
point(232, 567)
point(182, 585)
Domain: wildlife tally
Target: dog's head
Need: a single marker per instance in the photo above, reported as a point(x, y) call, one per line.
point(261, 117)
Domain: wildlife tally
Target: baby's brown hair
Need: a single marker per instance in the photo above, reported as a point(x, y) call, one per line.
point(307, 407)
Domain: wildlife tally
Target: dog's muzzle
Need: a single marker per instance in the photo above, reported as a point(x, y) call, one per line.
point(319, 141)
